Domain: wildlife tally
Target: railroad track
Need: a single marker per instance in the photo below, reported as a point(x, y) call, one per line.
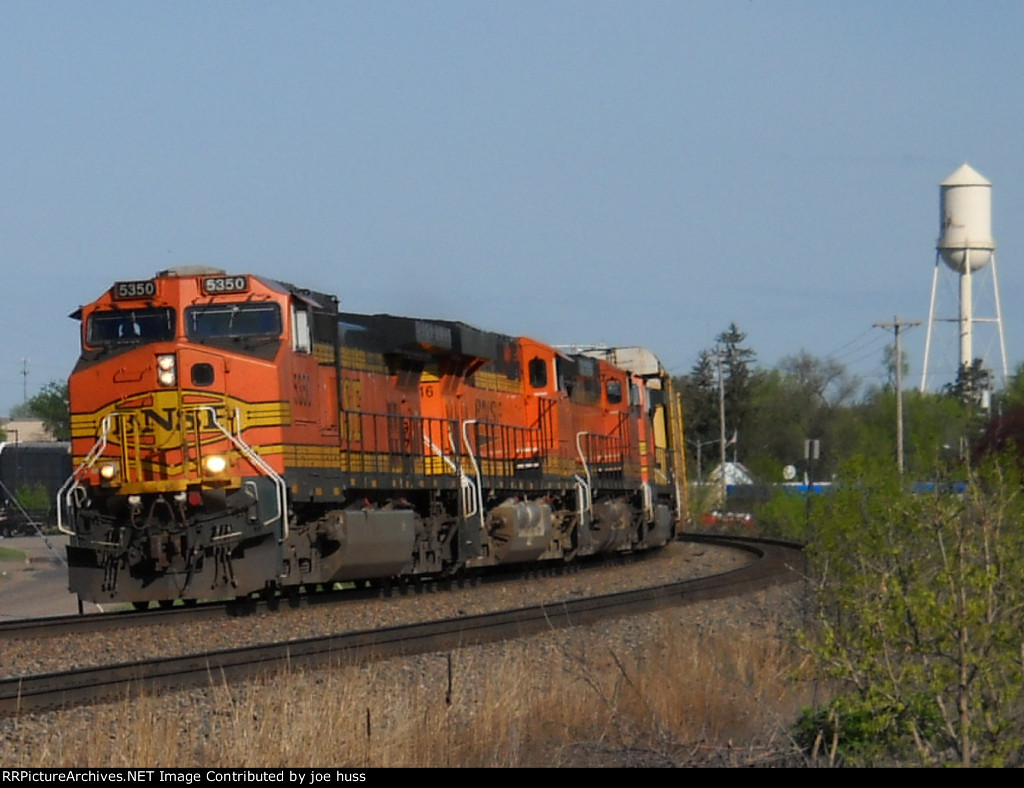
point(56, 626)
point(777, 563)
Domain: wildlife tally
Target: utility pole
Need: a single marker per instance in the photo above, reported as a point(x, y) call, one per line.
point(24, 380)
point(897, 325)
point(700, 450)
point(721, 423)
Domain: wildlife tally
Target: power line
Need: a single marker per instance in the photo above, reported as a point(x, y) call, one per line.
point(837, 353)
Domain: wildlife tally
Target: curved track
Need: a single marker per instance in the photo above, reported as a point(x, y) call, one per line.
point(56, 626)
point(777, 563)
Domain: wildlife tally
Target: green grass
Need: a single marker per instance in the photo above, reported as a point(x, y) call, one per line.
point(7, 554)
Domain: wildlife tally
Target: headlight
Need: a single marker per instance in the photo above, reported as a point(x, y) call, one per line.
point(108, 471)
point(215, 464)
point(166, 369)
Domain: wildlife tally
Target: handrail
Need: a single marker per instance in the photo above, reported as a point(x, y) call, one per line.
point(585, 490)
point(71, 484)
point(106, 425)
point(585, 497)
point(468, 483)
point(583, 458)
point(253, 457)
point(439, 452)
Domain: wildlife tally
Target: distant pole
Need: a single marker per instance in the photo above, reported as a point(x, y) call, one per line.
point(17, 461)
point(812, 451)
point(721, 423)
point(24, 380)
point(897, 325)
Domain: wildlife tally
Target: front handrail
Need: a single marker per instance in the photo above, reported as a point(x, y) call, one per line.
point(68, 488)
point(253, 456)
point(71, 484)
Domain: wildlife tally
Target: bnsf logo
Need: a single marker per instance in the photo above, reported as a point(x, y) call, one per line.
point(160, 418)
point(164, 425)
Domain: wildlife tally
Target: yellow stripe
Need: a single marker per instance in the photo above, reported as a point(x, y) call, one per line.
point(353, 358)
point(266, 414)
point(323, 353)
point(493, 381)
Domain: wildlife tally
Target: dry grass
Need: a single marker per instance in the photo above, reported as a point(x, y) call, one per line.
point(670, 693)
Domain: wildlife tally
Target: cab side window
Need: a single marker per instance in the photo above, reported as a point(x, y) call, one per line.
point(538, 370)
point(302, 340)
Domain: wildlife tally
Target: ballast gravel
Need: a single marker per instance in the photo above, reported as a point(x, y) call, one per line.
point(21, 737)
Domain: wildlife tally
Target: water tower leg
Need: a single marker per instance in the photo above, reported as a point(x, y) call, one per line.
point(931, 320)
point(999, 320)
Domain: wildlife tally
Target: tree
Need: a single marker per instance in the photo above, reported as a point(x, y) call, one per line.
point(972, 380)
point(801, 399)
point(52, 407)
point(700, 395)
point(737, 366)
point(919, 614)
point(1004, 433)
point(1013, 393)
point(826, 380)
point(698, 392)
point(889, 362)
point(21, 411)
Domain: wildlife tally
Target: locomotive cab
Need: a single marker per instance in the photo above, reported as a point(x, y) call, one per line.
point(173, 481)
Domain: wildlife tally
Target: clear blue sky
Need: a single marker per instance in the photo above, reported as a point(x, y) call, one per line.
point(581, 172)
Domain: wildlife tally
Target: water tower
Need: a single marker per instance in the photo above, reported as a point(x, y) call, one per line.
point(965, 245)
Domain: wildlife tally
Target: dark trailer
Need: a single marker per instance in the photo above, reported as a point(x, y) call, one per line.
point(31, 473)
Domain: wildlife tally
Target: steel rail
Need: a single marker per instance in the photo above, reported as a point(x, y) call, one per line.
point(778, 564)
point(57, 626)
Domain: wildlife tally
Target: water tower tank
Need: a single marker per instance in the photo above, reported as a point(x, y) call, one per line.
point(965, 214)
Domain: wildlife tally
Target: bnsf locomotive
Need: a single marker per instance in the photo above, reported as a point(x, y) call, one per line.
point(236, 435)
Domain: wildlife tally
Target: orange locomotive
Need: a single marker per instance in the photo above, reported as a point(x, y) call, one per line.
point(234, 435)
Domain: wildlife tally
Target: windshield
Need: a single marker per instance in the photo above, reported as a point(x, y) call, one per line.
point(129, 327)
point(233, 320)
